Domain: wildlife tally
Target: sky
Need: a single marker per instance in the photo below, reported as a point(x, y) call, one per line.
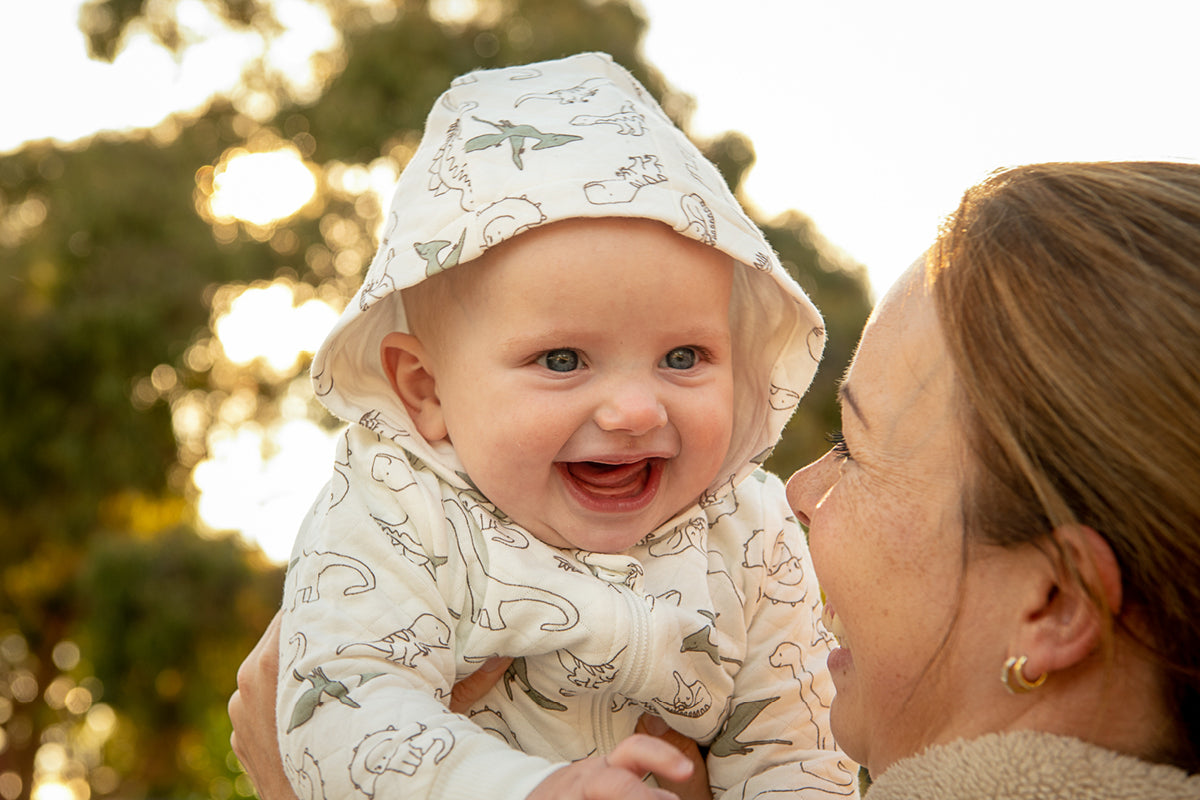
point(870, 116)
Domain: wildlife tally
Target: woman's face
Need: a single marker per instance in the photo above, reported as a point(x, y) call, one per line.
point(885, 529)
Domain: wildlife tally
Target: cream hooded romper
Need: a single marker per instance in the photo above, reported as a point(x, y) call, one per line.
point(404, 578)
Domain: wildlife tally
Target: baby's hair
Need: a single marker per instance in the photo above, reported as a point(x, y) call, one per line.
point(425, 304)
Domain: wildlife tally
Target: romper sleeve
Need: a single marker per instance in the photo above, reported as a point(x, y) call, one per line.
point(368, 647)
point(776, 740)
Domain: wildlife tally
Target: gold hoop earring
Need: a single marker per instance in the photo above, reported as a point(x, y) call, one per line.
point(1014, 673)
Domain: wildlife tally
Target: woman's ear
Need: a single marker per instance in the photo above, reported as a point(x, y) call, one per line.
point(1081, 586)
point(407, 364)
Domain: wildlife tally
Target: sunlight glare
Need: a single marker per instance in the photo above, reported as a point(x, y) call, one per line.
point(261, 188)
point(53, 790)
point(265, 497)
point(264, 323)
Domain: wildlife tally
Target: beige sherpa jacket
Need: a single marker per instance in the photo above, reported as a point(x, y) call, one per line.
point(1030, 766)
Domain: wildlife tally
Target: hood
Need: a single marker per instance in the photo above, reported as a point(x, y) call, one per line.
point(508, 149)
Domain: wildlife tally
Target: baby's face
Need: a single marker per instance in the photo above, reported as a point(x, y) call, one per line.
point(586, 378)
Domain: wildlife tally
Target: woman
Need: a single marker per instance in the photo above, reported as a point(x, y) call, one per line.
point(1007, 529)
point(1014, 495)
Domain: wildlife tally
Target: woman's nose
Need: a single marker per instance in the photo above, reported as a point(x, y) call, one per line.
point(631, 407)
point(809, 485)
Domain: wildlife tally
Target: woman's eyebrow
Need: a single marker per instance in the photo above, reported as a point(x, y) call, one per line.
point(848, 401)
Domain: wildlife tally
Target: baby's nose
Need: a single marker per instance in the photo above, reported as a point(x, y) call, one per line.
point(632, 407)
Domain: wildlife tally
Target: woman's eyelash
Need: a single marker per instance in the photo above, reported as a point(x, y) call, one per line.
point(840, 449)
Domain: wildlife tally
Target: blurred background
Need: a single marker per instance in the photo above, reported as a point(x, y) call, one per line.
point(190, 191)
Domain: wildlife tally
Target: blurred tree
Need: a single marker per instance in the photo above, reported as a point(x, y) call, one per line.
point(121, 624)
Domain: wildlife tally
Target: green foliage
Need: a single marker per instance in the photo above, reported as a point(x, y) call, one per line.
point(111, 269)
point(163, 620)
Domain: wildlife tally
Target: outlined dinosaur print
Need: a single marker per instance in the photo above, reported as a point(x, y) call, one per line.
point(339, 483)
point(431, 250)
point(309, 699)
point(701, 223)
point(782, 398)
point(671, 597)
point(691, 700)
point(402, 753)
point(761, 262)
point(450, 105)
point(842, 781)
point(581, 93)
point(585, 675)
point(322, 380)
point(451, 169)
point(491, 721)
point(298, 646)
point(393, 472)
point(494, 529)
point(686, 535)
point(786, 574)
point(628, 121)
point(382, 425)
point(524, 73)
point(317, 569)
point(377, 288)
point(720, 501)
point(507, 217)
point(489, 598)
point(789, 656)
point(426, 634)
point(410, 548)
point(816, 342)
point(640, 171)
point(613, 568)
point(306, 777)
point(516, 135)
point(743, 714)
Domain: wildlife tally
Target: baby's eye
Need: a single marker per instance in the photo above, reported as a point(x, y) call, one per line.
point(561, 360)
point(681, 358)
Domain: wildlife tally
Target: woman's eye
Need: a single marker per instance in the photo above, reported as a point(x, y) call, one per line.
point(560, 360)
point(840, 450)
point(681, 358)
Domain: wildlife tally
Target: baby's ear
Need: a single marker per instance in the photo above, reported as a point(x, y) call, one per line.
point(406, 363)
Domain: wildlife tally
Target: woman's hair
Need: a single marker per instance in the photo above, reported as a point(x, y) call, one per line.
point(1069, 295)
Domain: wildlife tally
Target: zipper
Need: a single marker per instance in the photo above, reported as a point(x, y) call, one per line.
point(632, 677)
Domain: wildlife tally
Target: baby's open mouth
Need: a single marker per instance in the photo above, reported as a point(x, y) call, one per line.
point(612, 486)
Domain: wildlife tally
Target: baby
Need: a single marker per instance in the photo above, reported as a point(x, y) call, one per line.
point(569, 358)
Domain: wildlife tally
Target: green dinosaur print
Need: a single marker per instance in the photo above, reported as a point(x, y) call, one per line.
point(430, 250)
point(516, 135)
point(701, 642)
point(727, 743)
point(519, 672)
point(306, 706)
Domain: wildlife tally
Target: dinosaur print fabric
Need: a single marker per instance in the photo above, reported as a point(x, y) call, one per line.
point(404, 578)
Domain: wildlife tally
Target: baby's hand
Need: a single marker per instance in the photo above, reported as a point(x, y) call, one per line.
point(618, 776)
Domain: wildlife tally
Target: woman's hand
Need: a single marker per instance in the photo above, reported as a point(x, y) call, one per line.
point(695, 786)
point(673, 759)
point(252, 712)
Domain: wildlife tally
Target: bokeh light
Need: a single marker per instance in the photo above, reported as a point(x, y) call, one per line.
point(261, 188)
point(264, 323)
